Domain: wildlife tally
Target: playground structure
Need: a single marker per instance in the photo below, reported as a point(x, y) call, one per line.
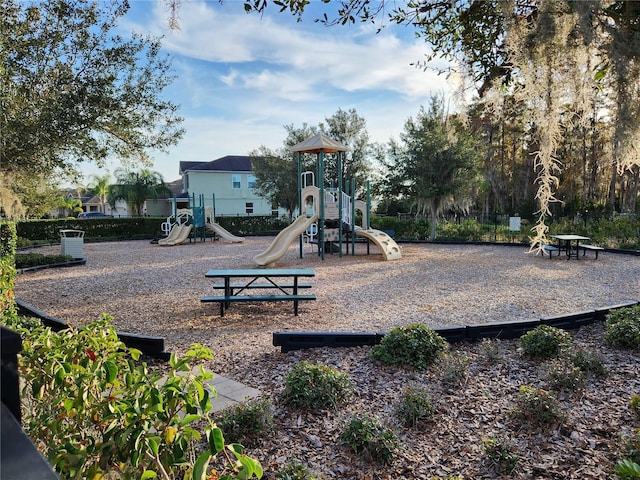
point(192, 223)
point(327, 214)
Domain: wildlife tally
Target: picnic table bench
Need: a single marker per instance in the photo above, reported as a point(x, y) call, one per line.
point(585, 246)
point(253, 279)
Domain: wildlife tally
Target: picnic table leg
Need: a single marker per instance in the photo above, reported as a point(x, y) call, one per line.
point(295, 292)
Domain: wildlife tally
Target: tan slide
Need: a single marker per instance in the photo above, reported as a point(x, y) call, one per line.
point(176, 230)
point(224, 234)
point(181, 238)
point(281, 243)
point(384, 242)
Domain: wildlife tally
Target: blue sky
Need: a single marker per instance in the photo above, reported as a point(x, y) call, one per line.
point(242, 77)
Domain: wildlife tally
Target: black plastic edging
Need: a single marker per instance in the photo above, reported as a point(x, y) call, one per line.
point(290, 341)
point(71, 263)
point(152, 346)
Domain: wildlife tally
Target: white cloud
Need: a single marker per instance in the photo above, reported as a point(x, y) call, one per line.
point(241, 77)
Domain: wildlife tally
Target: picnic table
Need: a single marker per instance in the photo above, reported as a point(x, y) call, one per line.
point(274, 285)
point(565, 244)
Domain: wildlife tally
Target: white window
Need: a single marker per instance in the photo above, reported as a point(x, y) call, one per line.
point(248, 207)
point(251, 181)
point(235, 181)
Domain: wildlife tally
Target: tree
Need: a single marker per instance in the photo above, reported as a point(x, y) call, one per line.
point(100, 188)
point(350, 129)
point(434, 163)
point(136, 187)
point(277, 171)
point(70, 205)
point(73, 91)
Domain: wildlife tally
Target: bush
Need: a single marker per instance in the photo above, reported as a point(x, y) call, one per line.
point(415, 345)
point(634, 403)
point(7, 270)
point(294, 470)
point(453, 370)
point(588, 362)
point(490, 349)
point(536, 406)
point(415, 407)
point(627, 469)
point(623, 328)
point(499, 454)
point(94, 410)
point(631, 447)
point(565, 375)
point(247, 422)
point(366, 435)
point(28, 260)
point(545, 341)
point(315, 386)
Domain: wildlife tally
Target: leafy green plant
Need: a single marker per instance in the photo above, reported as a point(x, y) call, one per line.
point(315, 386)
point(94, 409)
point(27, 260)
point(414, 407)
point(623, 328)
point(500, 455)
point(634, 403)
point(565, 375)
point(627, 469)
point(415, 345)
point(490, 349)
point(545, 341)
point(366, 435)
point(588, 362)
point(7, 270)
point(247, 422)
point(536, 406)
point(631, 446)
point(453, 370)
point(294, 470)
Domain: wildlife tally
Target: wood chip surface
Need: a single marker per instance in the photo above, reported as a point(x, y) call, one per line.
point(155, 290)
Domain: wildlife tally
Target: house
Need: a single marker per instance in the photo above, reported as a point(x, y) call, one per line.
point(163, 206)
point(230, 181)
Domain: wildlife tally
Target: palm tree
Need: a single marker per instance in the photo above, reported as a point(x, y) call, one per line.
point(100, 188)
point(136, 187)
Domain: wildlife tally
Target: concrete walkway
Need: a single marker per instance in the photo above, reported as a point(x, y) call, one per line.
point(230, 392)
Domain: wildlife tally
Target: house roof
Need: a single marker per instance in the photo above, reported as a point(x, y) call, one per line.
point(228, 163)
point(319, 143)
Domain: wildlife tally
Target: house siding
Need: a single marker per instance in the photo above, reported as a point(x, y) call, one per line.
point(229, 201)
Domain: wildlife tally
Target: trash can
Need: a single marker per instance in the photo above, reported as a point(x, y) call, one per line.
point(71, 243)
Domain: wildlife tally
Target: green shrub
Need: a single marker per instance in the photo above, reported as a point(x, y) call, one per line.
point(565, 375)
point(588, 362)
point(627, 469)
point(414, 407)
point(315, 386)
point(623, 328)
point(453, 370)
point(545, 341)
point(631, 446)
point(490, 349)
point(634, 403)
point(366, 435)
point(294, 470)
point(94, 410)
point(415, 345)
point(7, 270)
point(536, 406)
point(247, 422)
point(500, 455)
point(27, 260)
